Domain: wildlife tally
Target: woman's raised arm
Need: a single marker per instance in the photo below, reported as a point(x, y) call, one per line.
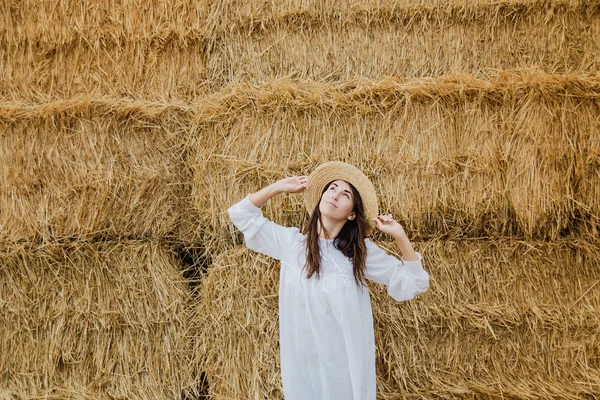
point(261, 234)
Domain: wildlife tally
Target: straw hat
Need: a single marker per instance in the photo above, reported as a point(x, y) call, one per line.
point(334, 170)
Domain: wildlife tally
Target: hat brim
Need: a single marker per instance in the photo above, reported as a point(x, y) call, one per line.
point(334, 170)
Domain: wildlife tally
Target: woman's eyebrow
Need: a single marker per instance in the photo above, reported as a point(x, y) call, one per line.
point(345, 190)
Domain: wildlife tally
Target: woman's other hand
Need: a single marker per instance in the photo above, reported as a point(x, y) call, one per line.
point(387, 224)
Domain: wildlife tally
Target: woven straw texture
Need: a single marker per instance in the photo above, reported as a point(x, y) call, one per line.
point(334, 170)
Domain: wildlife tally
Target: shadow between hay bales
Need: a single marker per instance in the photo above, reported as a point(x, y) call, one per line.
point(193, 261)
point(202, 390)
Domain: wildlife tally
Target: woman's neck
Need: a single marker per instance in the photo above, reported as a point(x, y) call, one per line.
point(332, 228)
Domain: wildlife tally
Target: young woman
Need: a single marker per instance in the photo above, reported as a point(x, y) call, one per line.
point(325, 319)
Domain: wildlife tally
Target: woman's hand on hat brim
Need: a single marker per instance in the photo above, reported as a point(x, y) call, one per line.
point(387, 224)
point(293, 184)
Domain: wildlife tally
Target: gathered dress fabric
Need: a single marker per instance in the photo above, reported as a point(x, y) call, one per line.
point(327, 346)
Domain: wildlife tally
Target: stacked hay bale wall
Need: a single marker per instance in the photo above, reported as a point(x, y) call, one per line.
point(98, 230)
point(127, 131)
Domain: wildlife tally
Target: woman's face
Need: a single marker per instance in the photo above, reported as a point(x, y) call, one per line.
point(337, 201)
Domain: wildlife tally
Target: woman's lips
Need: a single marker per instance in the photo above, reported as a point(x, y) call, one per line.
point(331, 204)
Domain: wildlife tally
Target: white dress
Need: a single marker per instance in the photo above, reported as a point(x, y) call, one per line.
point(326, 325)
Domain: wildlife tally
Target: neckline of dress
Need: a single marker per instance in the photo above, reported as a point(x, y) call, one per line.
point(326, 240)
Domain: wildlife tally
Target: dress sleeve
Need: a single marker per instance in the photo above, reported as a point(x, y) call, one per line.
point(404, 279)
point(261, 234)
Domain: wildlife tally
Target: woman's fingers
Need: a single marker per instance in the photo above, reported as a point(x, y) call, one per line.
point(378, 223)
point(385, 218)
point(387, 224)
point(302, 182)
point(293, 184)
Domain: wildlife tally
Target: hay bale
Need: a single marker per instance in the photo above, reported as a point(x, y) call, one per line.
point(140, 49)
point(262, 40)
point(501, 319)
point(450, 157)
point(158, 69)
point(91, 178)
point(65, 21)
point(89, 321)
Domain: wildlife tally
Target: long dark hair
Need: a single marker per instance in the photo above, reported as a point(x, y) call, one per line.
point(350, 241)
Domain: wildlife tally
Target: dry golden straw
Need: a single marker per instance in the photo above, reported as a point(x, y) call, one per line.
point(127, 129)
point(85, 320)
